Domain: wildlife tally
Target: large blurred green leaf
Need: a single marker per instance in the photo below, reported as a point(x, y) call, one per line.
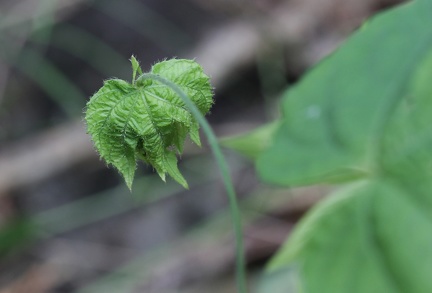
point(365, 111)
point(371, 237)
point(335, 118)
point(406, 150)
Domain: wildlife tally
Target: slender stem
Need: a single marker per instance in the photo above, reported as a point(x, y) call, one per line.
point(223, 166)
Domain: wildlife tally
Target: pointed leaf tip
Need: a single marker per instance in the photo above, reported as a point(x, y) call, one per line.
point(136, 68)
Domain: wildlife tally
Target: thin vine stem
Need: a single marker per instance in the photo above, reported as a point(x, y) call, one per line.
point(223, 166)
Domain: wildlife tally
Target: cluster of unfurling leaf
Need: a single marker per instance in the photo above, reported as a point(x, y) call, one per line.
point(146, 119)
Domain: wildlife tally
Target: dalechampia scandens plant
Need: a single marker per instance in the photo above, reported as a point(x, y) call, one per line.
point(147, 120)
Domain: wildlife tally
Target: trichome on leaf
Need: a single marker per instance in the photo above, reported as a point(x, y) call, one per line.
point(147, 120)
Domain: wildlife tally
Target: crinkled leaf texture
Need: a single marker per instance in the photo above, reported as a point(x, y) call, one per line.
point(147, 120)
point(364, 115)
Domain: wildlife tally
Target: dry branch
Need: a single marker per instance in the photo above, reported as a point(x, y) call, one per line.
point(36, 158)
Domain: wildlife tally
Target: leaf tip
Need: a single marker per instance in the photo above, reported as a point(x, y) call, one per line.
point(162, 175)
point(129, 184)
point(136, 68)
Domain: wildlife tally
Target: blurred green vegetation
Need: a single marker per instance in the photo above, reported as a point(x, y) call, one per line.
point(53, 56)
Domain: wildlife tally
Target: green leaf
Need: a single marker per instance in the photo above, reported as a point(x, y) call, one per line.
point(136, 68)
point(363, 112)
point(253, 143)
point(147, 120)
point(407, 144)
point(335, 119)
point(370, 237)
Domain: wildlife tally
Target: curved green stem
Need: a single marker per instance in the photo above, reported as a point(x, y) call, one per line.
point(220, 159)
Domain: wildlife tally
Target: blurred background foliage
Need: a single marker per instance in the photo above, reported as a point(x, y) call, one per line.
point(68, 223)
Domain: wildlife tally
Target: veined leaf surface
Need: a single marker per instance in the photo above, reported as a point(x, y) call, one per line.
point(146, 120)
